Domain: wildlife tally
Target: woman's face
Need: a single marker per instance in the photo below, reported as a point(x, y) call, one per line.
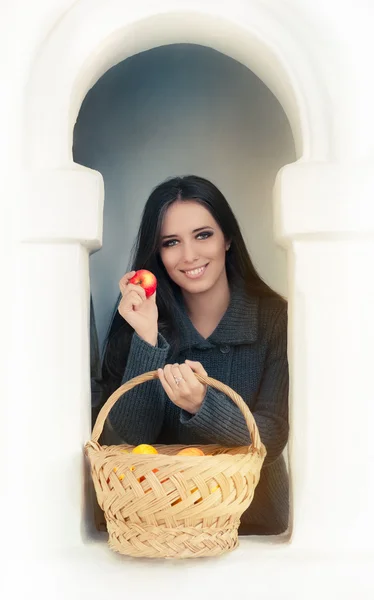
point(193, 247)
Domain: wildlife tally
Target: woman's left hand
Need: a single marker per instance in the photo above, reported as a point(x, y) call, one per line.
point(181, 385)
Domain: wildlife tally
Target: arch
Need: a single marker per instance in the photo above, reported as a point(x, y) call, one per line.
point(273, 42)
point(90, 39)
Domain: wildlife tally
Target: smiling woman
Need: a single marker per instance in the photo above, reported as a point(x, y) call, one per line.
point(212, 314)
point(195, 260)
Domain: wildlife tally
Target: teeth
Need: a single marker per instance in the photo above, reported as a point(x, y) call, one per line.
point(195, 271)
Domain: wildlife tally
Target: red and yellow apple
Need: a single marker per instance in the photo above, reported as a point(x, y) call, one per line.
point(146, 280)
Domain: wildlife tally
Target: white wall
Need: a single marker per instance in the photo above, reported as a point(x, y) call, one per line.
point(317, 58)
point(174, 110)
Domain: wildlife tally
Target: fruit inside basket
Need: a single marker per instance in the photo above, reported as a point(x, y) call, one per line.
point(173, 501)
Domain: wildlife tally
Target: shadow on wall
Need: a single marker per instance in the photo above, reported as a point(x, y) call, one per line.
point(175, 110)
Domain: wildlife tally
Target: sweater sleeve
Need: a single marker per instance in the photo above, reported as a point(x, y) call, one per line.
point(137, 416)
point(220, 421)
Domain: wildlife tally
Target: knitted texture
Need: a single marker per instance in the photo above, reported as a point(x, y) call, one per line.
point(248, 352)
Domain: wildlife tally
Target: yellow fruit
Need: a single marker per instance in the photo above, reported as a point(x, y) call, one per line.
point(144, 449)
point(190, 452)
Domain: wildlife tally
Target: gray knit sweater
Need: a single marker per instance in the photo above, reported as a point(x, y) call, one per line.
point(248, 352)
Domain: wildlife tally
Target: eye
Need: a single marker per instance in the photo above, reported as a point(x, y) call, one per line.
point(204, 235)
point(169, 243)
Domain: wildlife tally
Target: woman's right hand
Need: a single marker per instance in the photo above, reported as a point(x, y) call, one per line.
point(138, 310)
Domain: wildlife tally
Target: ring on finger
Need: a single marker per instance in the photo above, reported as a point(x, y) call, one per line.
point(177, 376)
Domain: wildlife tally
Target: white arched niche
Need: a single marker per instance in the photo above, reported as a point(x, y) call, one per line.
point(179, 109)
point(62, 208)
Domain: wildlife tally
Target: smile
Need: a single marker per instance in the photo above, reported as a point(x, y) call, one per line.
point(195, 273)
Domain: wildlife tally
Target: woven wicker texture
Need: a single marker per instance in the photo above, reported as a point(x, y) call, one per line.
point(163, 505)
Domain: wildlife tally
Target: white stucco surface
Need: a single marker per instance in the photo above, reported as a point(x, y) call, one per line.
point(316, 59)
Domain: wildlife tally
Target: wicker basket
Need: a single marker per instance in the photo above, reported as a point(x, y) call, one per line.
point(169, 506)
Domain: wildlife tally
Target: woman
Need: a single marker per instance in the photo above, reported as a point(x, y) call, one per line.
point(211, 314)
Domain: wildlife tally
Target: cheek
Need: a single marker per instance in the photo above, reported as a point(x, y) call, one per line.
point(169, 259)
point(217, 250)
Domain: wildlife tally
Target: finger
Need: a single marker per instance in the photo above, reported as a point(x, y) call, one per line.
point(197, 367)
point(194, 385)
point(124, 284)
point(126, 278)
point(137, 302)
point(134, 297)
point(179, 382)
point(189, 377)
point(165, 385)
point(170, 378)
point(130, 301)
point(133, 287)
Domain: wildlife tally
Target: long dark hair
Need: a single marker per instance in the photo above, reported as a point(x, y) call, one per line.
point(146, 255)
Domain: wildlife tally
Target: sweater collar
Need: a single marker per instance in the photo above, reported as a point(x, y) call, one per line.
point(239, 324)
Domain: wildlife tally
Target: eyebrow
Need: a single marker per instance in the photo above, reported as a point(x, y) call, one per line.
point(164, 237)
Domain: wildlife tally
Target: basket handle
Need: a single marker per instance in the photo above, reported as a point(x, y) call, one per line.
point(129, 385)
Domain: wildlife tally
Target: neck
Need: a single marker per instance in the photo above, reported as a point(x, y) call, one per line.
point(210, 305)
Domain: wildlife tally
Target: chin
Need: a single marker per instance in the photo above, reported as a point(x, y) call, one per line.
point(198, 287)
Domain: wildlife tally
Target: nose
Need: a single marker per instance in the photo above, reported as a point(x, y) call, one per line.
point(189, 253)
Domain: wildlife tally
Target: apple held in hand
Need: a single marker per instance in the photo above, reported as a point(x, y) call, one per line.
point(146, 280)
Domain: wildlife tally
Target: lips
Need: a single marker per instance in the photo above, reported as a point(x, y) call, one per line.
point(195, 273)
